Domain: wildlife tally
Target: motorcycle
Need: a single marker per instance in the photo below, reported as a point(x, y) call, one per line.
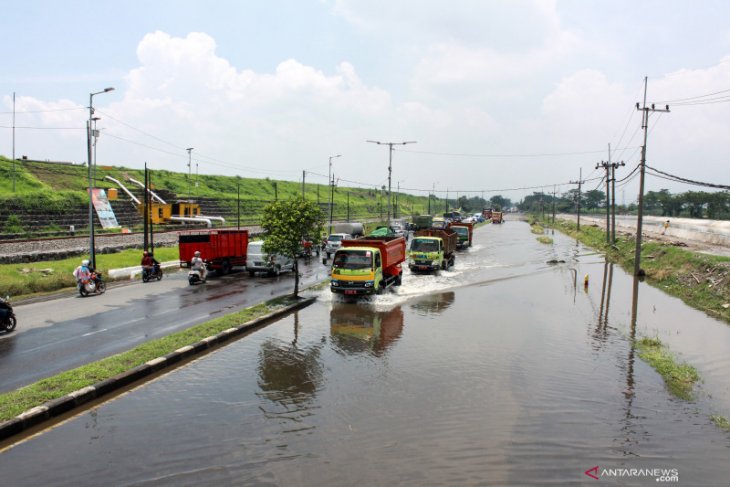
point(7, 317)
point(94, 285)
point(196, 276)
point(150, 273)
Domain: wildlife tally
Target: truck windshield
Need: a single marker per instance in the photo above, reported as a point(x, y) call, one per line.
point(334, 238)
point(422, 245)
point(461, 230)
point(353, 259)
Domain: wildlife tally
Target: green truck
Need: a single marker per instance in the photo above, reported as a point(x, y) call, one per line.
point(432, 250)
point(464, 232)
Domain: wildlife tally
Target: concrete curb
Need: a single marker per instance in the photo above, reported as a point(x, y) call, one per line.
point(56, 407)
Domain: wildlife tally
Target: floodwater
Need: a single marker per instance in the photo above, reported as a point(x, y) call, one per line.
point(506, 370)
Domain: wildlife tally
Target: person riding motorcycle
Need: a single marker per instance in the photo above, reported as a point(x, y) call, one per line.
point(149, 263)
point(198, 264)
point(82, 273)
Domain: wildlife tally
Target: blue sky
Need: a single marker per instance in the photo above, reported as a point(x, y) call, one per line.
point(273, 88)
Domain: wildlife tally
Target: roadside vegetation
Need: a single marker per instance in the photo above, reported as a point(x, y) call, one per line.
point(545, 239)
point(701, 281)
point(680, 378)
point(45, 276)
point(15, 402)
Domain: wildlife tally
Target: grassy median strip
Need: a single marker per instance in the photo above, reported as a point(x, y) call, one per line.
point(700, 280)
point(15, 402)
point(544, 239)
point(680, 378)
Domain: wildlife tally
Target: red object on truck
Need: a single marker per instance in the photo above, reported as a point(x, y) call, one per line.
point(221, 249)
point(392, 250)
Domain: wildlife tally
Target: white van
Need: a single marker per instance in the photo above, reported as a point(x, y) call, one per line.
point(257, 261)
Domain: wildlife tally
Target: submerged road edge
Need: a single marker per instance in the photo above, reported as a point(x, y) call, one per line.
point(56, 407)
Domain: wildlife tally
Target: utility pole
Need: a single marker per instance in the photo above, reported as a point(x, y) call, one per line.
point(606, 166)
point(613, 200)
point(332, 199)
point(13, 142)
point(390, 166)
point(639, 220)
point(579, 183)
point(331, 182)
point(190, 165)
point(553, 208)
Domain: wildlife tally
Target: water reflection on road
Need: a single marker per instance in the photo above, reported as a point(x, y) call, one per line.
point(506, 370)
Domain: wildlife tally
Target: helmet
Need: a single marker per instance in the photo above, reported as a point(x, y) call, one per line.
point(144, 253)
point(197, 253)
point(84, 262)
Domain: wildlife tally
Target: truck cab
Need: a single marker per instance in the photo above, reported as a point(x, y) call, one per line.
point(356, 271)
point(426, 254)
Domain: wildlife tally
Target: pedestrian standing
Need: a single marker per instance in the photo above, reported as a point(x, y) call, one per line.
point(666, 225)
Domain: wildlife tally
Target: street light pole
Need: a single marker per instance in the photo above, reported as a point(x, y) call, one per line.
point(390, 166)
point(92, 251)
point(330, 181)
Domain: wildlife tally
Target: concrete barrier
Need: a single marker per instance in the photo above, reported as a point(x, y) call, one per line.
point(134, 271)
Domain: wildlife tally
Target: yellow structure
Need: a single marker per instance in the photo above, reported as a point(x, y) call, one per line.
point(160, 213)
point(112, 194)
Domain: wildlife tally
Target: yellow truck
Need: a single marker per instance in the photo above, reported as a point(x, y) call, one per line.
point(367, 265)
point(432, 250)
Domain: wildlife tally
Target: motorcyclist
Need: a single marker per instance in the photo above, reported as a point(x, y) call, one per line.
point(147, 263)
point(198, 264)
point(82, 273)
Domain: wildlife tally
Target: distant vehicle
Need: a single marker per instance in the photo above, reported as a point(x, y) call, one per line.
point(454, 216)
point(497, 217)
point(421, 222)
point(398, 229)
point(220, 249)
point(439, 222)
point(334, 241)
point(351, 228)
point(273, 264)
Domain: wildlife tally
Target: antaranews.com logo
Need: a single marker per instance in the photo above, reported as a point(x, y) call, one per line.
point(660, 474)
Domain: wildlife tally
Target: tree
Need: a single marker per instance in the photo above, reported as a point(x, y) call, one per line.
point(500, 203)
point(594, 199)
point(285, 223)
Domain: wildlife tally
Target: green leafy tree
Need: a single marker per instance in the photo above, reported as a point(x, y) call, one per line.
point(285, 223)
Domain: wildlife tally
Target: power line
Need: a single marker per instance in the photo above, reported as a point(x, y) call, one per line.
point(672, 177)
point(43, 111)
point(42, 128)
point(553, 154)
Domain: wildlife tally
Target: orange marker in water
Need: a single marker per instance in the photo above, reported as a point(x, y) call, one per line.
point(585, 281)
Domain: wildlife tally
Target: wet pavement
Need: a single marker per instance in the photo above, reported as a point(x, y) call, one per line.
point(63, 333)
point(504, 371)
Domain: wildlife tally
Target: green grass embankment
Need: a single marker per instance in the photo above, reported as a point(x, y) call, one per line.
point(15, 402)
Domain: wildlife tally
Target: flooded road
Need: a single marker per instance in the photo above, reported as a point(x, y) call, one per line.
point(504, 371)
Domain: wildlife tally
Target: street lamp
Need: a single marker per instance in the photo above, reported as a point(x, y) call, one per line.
point(390, 165)
point(92, 252)
point(190, 165)
point(331, 182)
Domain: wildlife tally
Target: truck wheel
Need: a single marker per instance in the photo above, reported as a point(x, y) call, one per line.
point(226, 267)
point(380, 290)
point(251, 273)
point(399, 280)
